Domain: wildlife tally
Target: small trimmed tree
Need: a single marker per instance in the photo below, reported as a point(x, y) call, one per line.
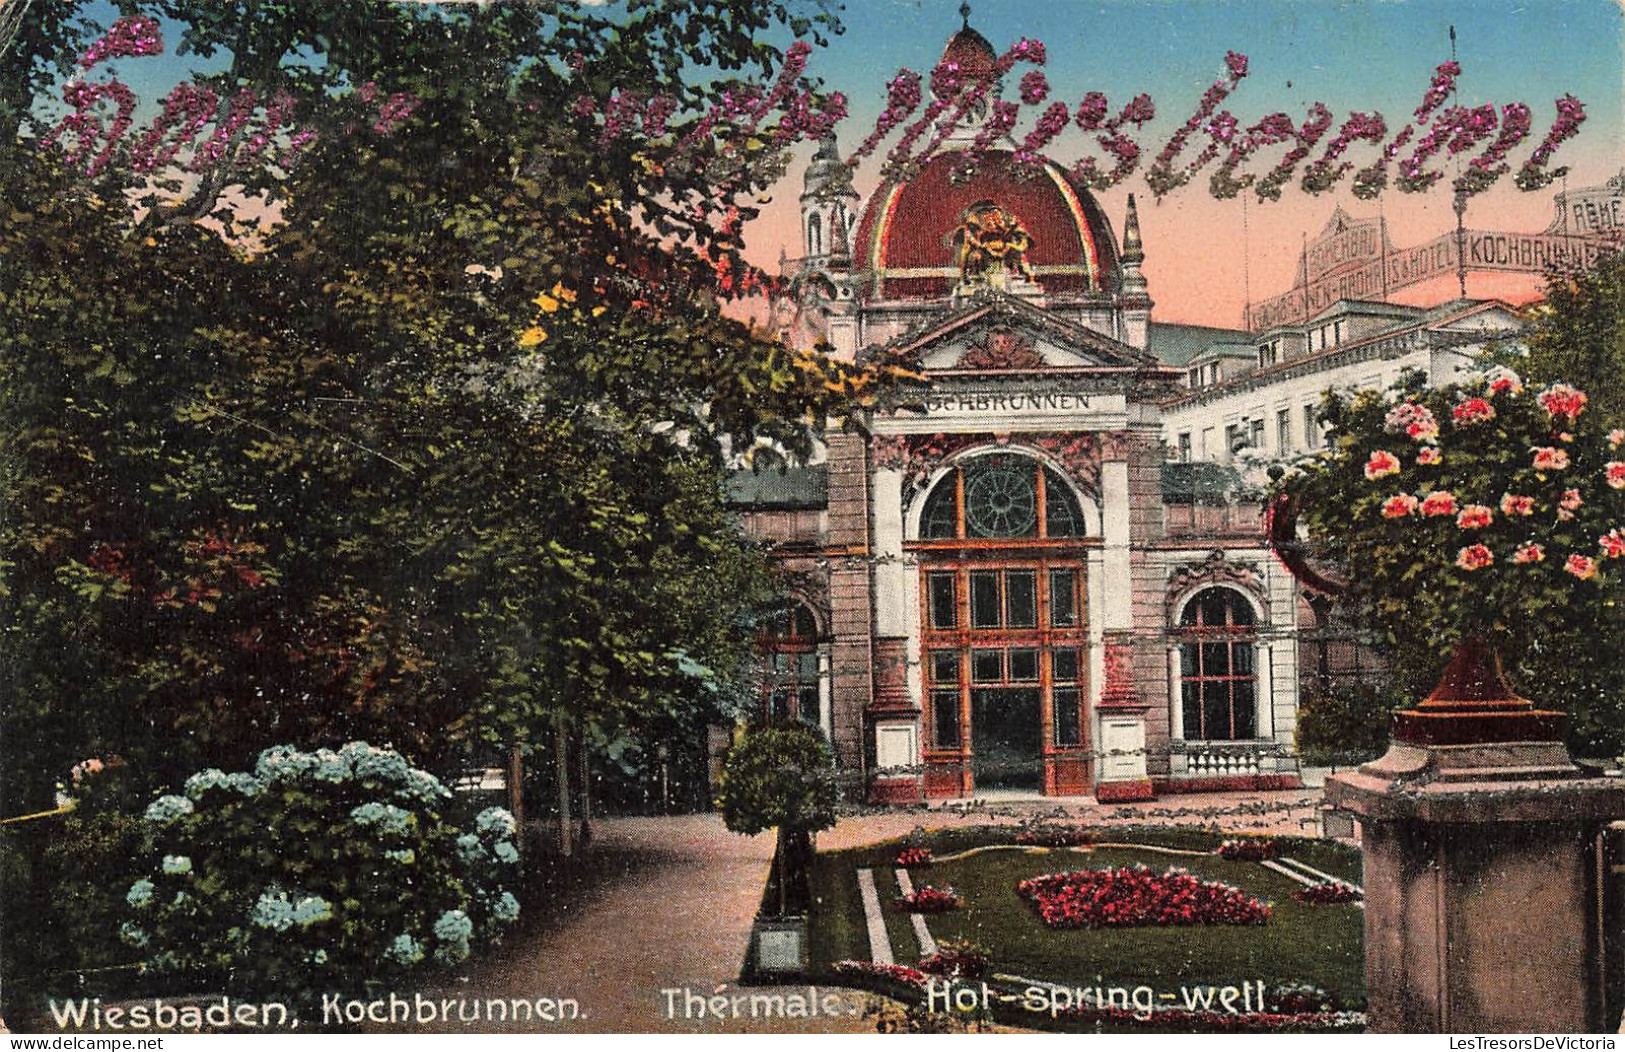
point(780, 778)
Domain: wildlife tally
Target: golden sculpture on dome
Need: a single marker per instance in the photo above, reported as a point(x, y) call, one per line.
point(991, 243)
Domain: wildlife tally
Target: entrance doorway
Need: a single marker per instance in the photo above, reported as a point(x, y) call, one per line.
point(1007, 738)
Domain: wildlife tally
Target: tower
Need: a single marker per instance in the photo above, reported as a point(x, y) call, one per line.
point(828, 208)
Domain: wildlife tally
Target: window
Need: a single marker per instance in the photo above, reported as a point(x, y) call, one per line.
point(1195, 378)
point(1001, 496)
point(789, 646)
point(1218, 685)
point(1185, 446)
point(1311, 428)
point(1337, 333)
point(815, 239)
point(1255, 434)
point(1283, 430)
point(944, 684)
point(1066, 674)
point(1232, 440)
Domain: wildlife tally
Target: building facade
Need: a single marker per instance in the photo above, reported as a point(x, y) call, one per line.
point(988, 589)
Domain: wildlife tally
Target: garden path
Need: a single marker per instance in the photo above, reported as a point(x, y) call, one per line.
point(666, 903)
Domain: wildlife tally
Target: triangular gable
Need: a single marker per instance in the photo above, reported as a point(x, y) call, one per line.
point(999, 332)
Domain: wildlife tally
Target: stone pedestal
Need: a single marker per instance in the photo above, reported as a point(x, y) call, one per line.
point(1480, 908)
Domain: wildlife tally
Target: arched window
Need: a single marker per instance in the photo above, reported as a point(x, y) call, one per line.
point(1218, 685)
point(815, 238)
point(837, 227)
point(789, 644)
point(999, 496)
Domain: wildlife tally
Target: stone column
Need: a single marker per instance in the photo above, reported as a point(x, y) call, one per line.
point(1476, 829)
point(894, 715)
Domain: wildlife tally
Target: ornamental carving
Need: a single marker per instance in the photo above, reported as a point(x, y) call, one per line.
point(1215, 569)
point(991, 244)
point(1002, 349)
point(919, 456)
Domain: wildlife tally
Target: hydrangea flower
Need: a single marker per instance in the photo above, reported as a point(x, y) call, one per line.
point(312, 909)
point(331, 767)
point(177, 865)
point(140, 892)
point(453, 926)
point(133, 935)
point(404, 950)
point(168, 808)
point(273, 911)
point(283, 763)
point(496, 821)
point(469, 848)
point(505, 908)
point(451, 952)
point(506, 852)
point(388, 817)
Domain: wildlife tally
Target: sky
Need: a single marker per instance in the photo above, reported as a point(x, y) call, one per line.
point(1205, 259)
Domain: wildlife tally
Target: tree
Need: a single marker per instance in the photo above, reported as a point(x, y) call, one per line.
point(780, 778)
point(430, 453)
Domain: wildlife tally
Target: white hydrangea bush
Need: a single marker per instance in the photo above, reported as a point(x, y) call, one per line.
point(316, 871)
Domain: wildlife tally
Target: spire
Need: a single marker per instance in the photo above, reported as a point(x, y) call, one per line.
point(1133, 249)
point(964, 13)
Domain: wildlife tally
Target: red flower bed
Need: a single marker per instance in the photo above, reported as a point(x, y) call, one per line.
point(1057, 836)
point(956, 960)
point(1248, 850)
point(1136, 897)
point(864, 973)
point(914, 856)
point(1329, 891)
point(929, 900)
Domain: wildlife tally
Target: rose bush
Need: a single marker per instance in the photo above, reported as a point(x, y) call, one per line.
point(1328, 892)
point(1481, 509)
point(928, 900)
point(316, 871)
point(1248, 850)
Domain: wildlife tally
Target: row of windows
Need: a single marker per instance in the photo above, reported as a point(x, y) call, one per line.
point(1217, 674)
point(1002, 598)
point(1251, 432)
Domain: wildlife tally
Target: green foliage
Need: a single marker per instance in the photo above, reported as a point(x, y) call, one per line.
point(1476, 509)
point(1345, 723)
point(778, 777)
point(1577, 335)
point(316, 871)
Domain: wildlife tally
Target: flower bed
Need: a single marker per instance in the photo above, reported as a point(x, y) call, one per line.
point(1057, 836)
point(957, 959)
point(868, 975)
point(1248, 850)
point(1185, 1021)
point(914, 856)
point(1329, 892)
point(929, 900)
point(1137, 897)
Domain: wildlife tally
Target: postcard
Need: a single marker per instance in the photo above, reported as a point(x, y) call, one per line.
point(652, 516)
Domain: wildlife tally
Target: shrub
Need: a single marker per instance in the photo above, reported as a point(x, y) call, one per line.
point(1296, 998)
point(1135, 897)
point(780, 778)
point(928, 900)
point(1057, 836)
point(1328, 892)
point(957, 959)
point(914, 856)
point(316, 871)
point(1248, 850)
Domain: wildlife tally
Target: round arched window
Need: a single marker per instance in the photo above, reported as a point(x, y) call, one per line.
point(998, 496)
point(1218, 684)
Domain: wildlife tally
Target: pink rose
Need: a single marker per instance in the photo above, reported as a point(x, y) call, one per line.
point(1614, 472)
point(1529, 553)
point(1381, 463)
point(1616, 437)
point(1561, 400)
point(1399, 506)
point(1612, 544)
point(1474, 557)
point(1439, 502)
point(1582, 566)
point(1512, 504)
point(1474, 516)
point(1550, 459)
point(1571, 499)
point(1473, 411)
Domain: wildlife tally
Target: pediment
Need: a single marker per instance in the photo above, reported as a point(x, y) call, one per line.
point(1000, 333)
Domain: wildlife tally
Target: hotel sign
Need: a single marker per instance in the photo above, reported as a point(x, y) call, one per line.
point(1482, 250)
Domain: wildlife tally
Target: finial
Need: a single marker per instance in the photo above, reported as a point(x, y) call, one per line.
point(1133, 248)
point(964, 13)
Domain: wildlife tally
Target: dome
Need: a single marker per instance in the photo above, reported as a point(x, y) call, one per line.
point(906, 236)
point(970, 51)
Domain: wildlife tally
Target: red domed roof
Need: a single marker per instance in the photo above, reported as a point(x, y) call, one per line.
point(906, 236)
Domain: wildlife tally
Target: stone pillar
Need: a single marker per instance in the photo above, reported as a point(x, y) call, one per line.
point(1122, 728)
point(851, 616)
point(892, 712)
point(1477, 835)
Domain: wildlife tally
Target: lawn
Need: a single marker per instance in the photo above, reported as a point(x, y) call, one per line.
point(1319, 945)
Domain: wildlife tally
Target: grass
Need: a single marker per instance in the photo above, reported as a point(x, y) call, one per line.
point(1321, 945)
